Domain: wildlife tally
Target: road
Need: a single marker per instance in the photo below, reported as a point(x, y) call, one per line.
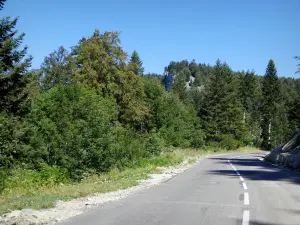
point(220, 190)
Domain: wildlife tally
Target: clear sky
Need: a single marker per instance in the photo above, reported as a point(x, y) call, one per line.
point(244, 33)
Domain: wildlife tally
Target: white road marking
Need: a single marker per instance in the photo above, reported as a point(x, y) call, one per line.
point(246, 216)
point(246, 213)
point(246, 198)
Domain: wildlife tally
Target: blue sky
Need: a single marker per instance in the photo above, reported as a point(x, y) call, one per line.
point(245, 34)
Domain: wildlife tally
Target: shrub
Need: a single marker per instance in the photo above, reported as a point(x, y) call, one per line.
point(228, 142)
point(154, 145)
point(71, 128)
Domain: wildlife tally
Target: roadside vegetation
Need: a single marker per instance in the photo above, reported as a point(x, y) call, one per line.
point(38, 190)
point(89, 119)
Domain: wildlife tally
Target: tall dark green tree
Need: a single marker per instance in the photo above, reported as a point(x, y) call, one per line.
point(179, 85)
point(221, 111)
point(13, 66)
point(250, 94)
point(298, 58)
point(270, 97)
point(136, 63)
point(2, 3)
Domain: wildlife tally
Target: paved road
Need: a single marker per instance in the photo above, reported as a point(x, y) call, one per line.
point(227, 189)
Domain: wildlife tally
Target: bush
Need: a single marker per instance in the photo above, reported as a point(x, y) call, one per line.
point(228, 142)
point(71, 127)
point(154, 145)
point(197, 139)
point(177, 122)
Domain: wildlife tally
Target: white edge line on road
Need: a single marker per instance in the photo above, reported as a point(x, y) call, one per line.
point(246, 216)
point(246, 198)
point(242, 179)
point(245, 186)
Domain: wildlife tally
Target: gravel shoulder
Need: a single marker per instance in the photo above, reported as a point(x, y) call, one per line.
point(66, 209)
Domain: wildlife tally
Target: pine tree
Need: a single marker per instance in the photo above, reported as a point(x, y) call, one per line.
point(270, 97)
point(298, 58)
point(250, 97)
point(136, 63)
point(2, 3)
point(179, 85)
point(222, 111)
point(13, 66)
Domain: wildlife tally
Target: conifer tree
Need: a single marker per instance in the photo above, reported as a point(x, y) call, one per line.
point(136, 63)
point(270, 96)
point(13, 66)
point(222, 111)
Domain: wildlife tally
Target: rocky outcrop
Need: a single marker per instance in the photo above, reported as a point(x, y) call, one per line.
point(288, 154)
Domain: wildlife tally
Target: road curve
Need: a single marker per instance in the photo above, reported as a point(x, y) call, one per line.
point(220, 190)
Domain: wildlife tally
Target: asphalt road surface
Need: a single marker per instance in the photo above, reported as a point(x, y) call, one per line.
point(223, 190)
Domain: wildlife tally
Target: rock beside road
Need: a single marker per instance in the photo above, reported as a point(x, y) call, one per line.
point(288, 154)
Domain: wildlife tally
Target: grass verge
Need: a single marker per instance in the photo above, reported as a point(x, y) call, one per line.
point(22, 194)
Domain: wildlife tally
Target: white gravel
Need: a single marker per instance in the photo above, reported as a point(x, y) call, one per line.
point(67, 209)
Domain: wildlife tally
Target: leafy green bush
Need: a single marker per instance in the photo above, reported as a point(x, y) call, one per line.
point(71, 128)
point(154, 144)
point(177, 122)
point(228, 142)
point(197, 139)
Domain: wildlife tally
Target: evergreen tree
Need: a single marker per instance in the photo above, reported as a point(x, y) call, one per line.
point(270, 96)
point(179, 85)
point(250, 97)
point(2, 3)
point(298, 58)
point(136, 63)
point(221, 111)
point(13, 66)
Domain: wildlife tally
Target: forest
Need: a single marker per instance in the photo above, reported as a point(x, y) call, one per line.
point(91, 108)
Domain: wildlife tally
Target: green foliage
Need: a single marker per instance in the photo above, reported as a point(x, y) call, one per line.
point(271, 96)
point(298, 58)
point(176, 121)
point(136, 64)
point(250, 95)
point(221, 111)
point(103, 67)
point(228, 142)
point(2, 3)
point(70, 128)
point(179, 86)
point(13, 67)
point(57, 68)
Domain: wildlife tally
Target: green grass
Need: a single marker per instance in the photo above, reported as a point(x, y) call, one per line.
point(24, 192)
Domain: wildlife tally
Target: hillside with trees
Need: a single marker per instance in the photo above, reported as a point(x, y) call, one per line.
point(91, 108)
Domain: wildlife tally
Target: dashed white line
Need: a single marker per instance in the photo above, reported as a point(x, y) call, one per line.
point(246, 217)
point(246, 213)
point(246, 198)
